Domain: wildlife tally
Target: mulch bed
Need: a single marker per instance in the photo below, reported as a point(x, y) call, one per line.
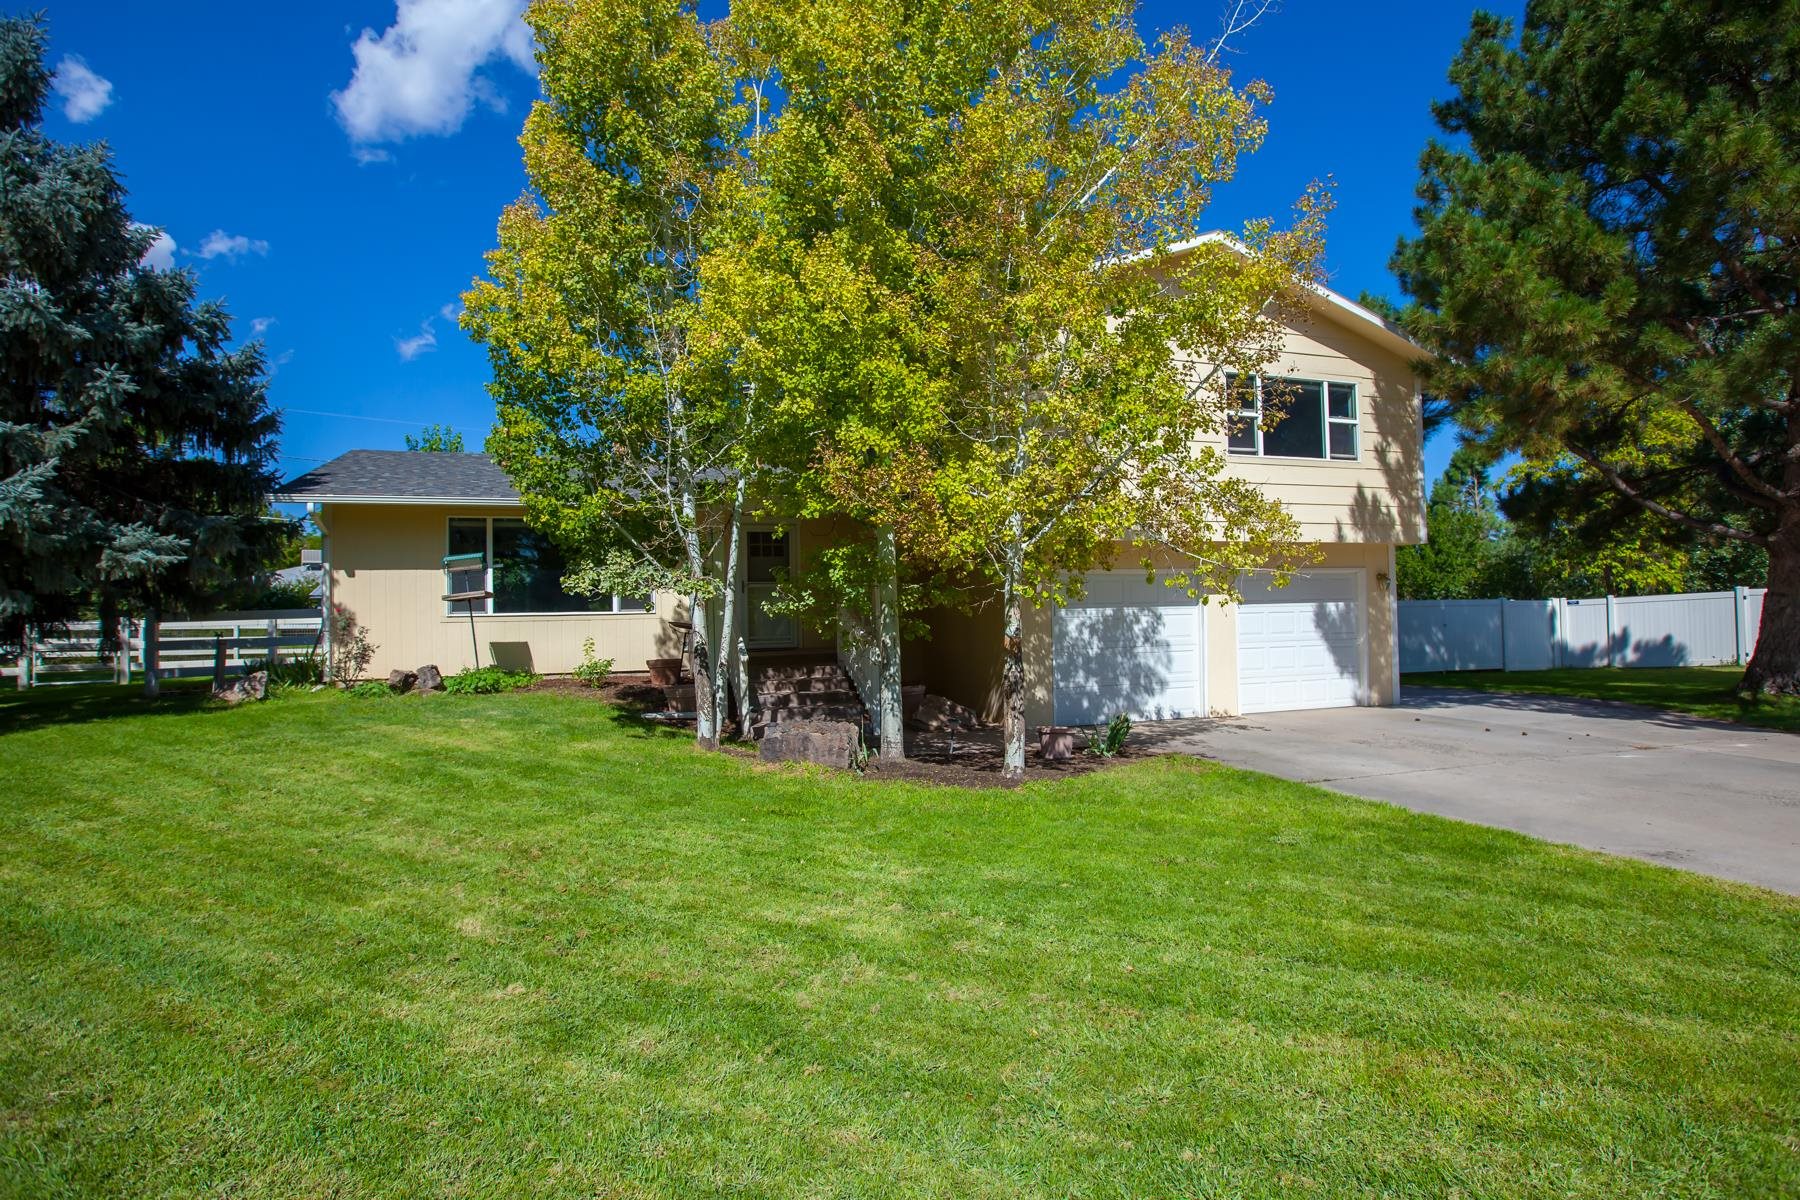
point(977, 763)
point(966, 760)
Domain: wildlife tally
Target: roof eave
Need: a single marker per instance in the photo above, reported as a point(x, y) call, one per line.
point(459, 501)
point(1377, 327)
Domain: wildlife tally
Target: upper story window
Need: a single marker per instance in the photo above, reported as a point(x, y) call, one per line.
point(1318, 418)
point(522, 568)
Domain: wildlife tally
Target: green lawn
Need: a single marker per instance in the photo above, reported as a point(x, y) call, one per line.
point(1703, 691)
point(519, 945)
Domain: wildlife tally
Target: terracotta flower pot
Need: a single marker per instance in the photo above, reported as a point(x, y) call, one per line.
point(664, 672)
point(1056, 743)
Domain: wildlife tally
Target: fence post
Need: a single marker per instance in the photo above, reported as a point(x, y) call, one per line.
point(219, 661)
point(1740, 616)
point(1611, 631)
point(122, 657)
point(152, 656)
point(1559, 632)
point(270, 648)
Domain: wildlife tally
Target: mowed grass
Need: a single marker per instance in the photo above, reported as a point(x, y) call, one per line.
point(1703, 691)
point(519, 945)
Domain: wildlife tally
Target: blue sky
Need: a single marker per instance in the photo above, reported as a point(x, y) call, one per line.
point(334, 171)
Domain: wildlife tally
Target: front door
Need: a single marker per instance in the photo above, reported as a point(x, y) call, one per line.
point(767, 560)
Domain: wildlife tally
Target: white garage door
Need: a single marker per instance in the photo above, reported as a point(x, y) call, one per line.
point(1128, 646)
point(1302, 646)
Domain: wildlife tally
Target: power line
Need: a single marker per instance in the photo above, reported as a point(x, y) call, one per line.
point(313, 412)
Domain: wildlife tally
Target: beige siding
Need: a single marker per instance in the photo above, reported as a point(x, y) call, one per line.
point(387, 570)
point(1380, 498)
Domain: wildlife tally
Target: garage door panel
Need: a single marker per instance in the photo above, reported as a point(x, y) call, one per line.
point(1127, 646)
point(1301, 646)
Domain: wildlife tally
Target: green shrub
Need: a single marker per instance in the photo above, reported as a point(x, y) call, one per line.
point(369, 689)
point(1108, 741)
point(593, 671)
point(481, 681)
point(302, 672)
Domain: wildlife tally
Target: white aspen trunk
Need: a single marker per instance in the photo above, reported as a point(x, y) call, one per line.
point(728, 622)
point(706, 727)
point(1012, 662)
point(890, 716)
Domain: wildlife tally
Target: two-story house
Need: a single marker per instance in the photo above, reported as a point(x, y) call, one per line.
point(1345, 459)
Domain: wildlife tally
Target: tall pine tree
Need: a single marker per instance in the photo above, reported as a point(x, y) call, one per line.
point(136, 447)
point(1608, 270)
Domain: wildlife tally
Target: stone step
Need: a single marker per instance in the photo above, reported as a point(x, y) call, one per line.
point(804, 687)
point(769, 718)
point(794, 672)
point(810, 712)
point(789, 700)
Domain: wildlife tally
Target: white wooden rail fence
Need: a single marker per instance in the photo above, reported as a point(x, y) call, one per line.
point(175, 649)
point(1689, 629)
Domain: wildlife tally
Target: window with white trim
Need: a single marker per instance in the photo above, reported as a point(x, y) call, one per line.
point(1318, 418)
point(522, 569)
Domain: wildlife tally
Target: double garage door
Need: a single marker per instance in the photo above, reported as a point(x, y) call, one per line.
point(1136, 647)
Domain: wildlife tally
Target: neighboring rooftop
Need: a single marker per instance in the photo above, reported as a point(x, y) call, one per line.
point(401, 477)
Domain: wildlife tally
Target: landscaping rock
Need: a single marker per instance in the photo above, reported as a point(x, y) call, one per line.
point(828, 743)
point(254, 686)
point(401, 681)
point(939, 715)
point(429, 679)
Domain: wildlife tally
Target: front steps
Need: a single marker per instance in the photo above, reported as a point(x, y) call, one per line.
point(795, 690)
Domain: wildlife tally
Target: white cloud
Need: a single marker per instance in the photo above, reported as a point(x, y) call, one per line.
point(364, 155)
point(426, 339)
point(410, 348)
point(85, 95)
point(161, 254)
point(219, 244)
point(260, 325)
point(421, 74)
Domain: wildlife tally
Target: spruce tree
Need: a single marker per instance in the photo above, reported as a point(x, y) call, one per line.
point(136, 446)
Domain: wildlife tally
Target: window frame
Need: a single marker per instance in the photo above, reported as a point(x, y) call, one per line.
point(1353, 422)
point(487, 574)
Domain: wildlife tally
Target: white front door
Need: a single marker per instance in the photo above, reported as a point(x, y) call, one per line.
point(767, 559)
point(1305, 645)
point(1128, 647)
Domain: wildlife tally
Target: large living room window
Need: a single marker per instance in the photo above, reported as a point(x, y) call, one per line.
point(522, 568)
point(1317, 419)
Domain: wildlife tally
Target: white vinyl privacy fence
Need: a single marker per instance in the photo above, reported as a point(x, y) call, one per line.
point(174, 649)
point(1692, 629)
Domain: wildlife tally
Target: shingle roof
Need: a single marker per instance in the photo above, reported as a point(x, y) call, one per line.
point(401, 476)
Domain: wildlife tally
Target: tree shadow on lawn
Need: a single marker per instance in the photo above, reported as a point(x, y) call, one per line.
point(80, 704)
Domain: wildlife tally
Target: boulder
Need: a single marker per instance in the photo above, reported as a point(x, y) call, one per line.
point(828, 743)
point(939, 715)
point(401, 681)
point(254, 686)
point(428, 679)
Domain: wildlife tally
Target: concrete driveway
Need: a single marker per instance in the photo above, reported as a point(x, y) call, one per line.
point(1685, 792)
